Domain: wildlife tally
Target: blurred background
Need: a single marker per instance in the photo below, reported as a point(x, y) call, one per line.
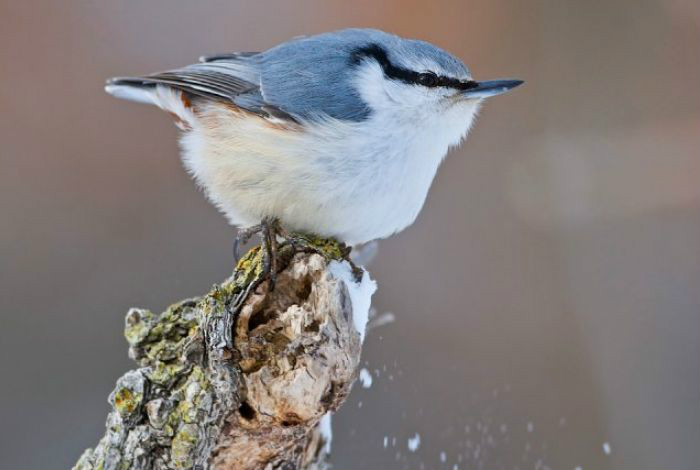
point(547, 299)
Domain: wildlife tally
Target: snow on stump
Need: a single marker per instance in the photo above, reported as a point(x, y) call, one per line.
point(242, 377)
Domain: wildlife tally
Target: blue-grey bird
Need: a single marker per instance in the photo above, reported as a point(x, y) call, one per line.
point(338, 134)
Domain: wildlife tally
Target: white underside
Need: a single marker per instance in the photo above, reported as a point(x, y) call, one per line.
point(353, 181)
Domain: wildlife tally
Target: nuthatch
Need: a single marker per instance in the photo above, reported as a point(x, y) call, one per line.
point(338, 134)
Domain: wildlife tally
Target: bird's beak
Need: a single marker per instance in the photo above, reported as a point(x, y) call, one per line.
point(490, 88)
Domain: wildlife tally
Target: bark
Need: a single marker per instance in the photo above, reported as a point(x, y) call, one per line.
point(240, 378)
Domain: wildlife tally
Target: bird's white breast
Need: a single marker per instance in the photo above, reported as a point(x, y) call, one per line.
point(353, 181)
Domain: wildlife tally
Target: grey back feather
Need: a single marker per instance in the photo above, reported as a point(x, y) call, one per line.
point(310, 76)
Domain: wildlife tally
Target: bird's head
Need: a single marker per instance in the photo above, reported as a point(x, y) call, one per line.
point(415, 80)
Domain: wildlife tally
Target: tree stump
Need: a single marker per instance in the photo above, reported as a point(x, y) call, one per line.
point(242, 377)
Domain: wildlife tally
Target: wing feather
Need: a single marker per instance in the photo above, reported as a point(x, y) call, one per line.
point(233, 78)
point(207, 83)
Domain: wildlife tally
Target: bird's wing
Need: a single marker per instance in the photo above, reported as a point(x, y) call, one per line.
point(233, 78)
point(215, 80)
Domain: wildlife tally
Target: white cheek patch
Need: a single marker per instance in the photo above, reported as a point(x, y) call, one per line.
point(403, 94)
point(370, 83)
point(385, 94)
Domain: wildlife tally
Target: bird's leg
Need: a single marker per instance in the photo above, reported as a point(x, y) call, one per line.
point(268, 230)
point(270, 227)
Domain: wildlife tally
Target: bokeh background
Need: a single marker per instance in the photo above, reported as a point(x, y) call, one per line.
point(547, 299)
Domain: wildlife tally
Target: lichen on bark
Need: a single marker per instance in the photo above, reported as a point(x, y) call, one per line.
point(239, 377)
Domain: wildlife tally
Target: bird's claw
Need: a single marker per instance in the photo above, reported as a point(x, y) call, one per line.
point(271, 231)
point(268, 230)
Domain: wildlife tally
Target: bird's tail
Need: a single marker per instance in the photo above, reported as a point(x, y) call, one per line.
point(171, 100)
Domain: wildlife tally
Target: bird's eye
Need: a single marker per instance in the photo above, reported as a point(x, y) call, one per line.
point(428, 79)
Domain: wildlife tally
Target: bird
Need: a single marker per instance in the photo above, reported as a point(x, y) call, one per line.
point(338, 134)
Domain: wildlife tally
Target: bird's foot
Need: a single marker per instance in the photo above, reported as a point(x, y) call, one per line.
point(269, 230)
point(278, 245)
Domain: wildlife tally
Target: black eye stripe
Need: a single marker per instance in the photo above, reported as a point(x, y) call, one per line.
point(377, 53)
